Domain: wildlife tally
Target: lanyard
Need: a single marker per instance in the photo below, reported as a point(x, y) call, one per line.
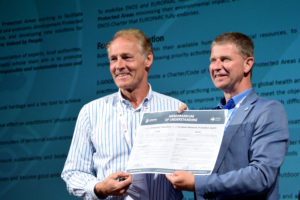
point(127, 133)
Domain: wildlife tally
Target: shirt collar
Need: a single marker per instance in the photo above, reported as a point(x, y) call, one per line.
point(149, 96)
point(236, 99)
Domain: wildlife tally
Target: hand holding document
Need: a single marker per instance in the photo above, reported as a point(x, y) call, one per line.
point(168, 142)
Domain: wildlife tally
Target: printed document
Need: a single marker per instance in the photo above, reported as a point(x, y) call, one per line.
point(167, 141)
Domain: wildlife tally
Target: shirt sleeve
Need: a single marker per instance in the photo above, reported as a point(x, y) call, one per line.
point(78, 172)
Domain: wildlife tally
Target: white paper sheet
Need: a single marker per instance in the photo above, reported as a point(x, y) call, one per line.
point(168, 141)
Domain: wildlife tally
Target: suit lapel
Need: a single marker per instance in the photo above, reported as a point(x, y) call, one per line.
point(234, 125)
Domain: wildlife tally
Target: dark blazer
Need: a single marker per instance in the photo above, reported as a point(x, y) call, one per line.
point(252, 150)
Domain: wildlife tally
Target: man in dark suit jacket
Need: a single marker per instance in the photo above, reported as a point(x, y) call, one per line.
point(256, 136)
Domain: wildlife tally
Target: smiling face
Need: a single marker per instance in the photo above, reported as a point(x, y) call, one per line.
point(129, 66)
point(229, 70)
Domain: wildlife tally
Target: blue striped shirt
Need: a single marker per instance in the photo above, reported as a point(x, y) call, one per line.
point(99, 147)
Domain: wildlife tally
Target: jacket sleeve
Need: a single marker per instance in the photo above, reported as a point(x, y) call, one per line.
point(267, 147)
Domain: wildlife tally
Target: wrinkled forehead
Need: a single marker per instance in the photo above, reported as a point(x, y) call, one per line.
point(226, 47)
point(223, 43)
point(123, 45)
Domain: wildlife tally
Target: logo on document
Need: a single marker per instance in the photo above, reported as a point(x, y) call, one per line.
point(215, 119)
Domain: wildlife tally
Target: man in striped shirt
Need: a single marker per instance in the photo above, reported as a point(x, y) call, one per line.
point(106, 128)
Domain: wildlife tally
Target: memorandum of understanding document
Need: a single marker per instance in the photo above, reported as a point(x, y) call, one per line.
point(167, 141)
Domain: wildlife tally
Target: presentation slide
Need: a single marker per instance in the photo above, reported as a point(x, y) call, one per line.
point(53, 60)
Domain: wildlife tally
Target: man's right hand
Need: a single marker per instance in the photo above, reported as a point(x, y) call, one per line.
point(116, 184)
